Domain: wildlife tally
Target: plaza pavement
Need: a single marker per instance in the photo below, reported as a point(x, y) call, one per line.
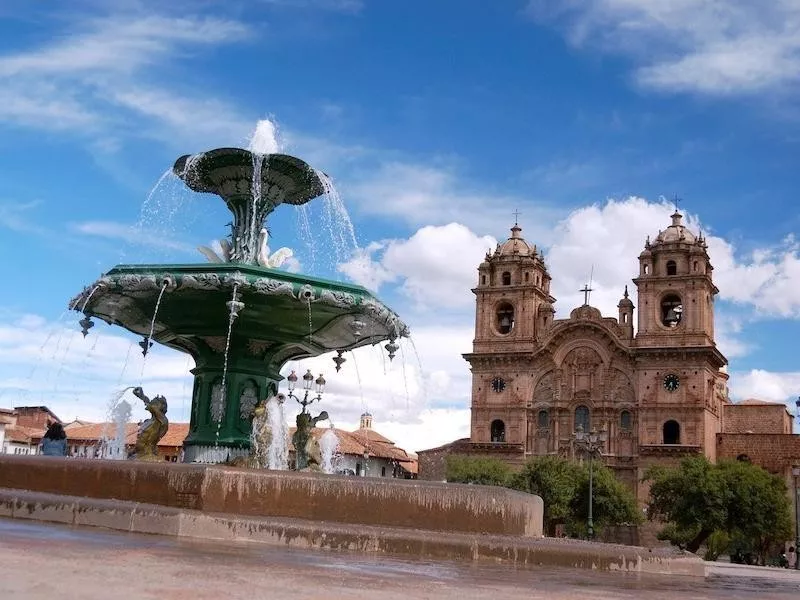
point(45, 561)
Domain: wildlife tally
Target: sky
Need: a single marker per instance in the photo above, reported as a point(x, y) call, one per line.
point(436, 121)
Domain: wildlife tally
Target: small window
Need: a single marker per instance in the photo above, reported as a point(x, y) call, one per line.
point(672, 432)
point(624, 318)
point(506, 278)
point(483, 279)
point(527, 277)
point(383, 471)
point(543, 420)
point(625, 420)
point(582, 419)
point(646, 269)
point(505, 318)
point(694, 266)
point(671, 310)
point(358, 468)
point(498, 431)
point(672, 268)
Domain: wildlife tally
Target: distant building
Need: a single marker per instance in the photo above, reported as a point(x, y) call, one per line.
point(660, 391)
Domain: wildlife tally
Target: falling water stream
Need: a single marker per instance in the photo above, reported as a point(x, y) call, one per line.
point(358, 378)
point(223, 388)
point(329, 448)
point(148, 340)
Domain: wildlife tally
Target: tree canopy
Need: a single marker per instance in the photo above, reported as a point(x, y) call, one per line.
point(563, 486)
point(740, 499)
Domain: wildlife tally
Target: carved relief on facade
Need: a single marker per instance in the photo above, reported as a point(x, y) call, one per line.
point(621, 389)
point(582, 370)
point(544, 394)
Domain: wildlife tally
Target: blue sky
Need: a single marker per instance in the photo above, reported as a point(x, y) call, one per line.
point(436, 120)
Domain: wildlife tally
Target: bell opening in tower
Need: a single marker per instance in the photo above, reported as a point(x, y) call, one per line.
point(671, 310)
point(505, 318)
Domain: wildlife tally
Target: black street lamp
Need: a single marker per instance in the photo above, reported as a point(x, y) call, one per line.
point(592, 443)
point(308, 380)
point(796, 474)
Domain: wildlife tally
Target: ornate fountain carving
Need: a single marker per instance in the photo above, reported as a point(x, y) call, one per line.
point(308, 455)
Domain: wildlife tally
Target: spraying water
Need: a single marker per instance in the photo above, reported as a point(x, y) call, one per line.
point(278, 451)
point(329, 447)
point(264, 139)
point(114, 448)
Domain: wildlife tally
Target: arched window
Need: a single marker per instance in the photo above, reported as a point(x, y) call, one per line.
point(582, 418)
point(506, 277)
point(672, 432)
point(498, 431)
point(624, 318)
point(694, 267)
point(505, 318)
point(527, 277)
point(646, 269)
point(625, 420)
point(543, 420)
point(483, 279)
point(672, 268)
point(671, 310)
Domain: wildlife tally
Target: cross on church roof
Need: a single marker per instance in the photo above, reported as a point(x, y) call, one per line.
point(676, 200)
point(516, 214)
point(586, 289)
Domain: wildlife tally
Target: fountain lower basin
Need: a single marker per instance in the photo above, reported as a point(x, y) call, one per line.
point(281, 316)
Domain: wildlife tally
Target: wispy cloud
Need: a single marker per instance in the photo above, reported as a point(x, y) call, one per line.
point(109, 76)
point(699, 46)
point(17, 217)
point(129, 234)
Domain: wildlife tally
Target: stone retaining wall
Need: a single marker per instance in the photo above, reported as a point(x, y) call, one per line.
point(283, 494)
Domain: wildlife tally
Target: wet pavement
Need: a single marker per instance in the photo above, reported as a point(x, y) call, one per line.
point(45, 561)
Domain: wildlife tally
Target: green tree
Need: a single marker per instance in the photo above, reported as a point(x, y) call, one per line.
point(556, 480)
point(691, 498)
point(759, 509)
point(613, 503)
point(737, 499)
point(477, 470)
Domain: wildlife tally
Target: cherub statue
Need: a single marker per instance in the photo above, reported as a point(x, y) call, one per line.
point(153, 429)
point(308, 455)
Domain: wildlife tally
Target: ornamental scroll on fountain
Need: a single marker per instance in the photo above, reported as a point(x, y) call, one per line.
point(238, 316)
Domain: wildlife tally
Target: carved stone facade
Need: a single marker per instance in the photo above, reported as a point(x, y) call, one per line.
point(535, 379)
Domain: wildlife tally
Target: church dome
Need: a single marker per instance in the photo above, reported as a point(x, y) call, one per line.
point(676, 233)
point(516, 245)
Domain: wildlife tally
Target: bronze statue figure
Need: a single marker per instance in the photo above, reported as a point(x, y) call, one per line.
point(308, 455)
point(153, 429)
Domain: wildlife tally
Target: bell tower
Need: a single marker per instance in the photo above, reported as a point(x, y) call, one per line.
point(678, 366)
point(512, 310)
point(676, 292)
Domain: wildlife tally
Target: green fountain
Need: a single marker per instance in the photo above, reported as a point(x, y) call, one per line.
point(240, 318)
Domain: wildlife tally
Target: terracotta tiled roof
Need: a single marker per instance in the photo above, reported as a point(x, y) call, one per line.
point(77, 423)
point(95, 432)
point(23, 435)
point(370, 435)
point(757, 402)
point(354, 443)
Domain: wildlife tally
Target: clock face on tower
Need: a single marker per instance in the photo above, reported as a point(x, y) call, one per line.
point(671, 382)
point(498, 385)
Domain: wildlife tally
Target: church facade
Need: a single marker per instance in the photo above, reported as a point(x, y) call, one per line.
point(659, 393)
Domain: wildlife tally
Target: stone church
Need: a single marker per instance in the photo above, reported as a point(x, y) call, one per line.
point(659, 393)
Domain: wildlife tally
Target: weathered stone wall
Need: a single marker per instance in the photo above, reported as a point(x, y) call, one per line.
point(775, 452)
point(756, 418)
point(315, 497)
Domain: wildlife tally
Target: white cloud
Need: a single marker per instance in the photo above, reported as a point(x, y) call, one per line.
point(765, 385)
point(437, 265)
point(103, 73)
point(731, 47)
point(436, 195)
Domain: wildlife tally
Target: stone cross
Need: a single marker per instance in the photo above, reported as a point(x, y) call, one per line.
point(586, 289)
point(516, 217)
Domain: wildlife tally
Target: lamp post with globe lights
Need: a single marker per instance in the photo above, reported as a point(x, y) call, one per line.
point(308, 381)
point(591, 443)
